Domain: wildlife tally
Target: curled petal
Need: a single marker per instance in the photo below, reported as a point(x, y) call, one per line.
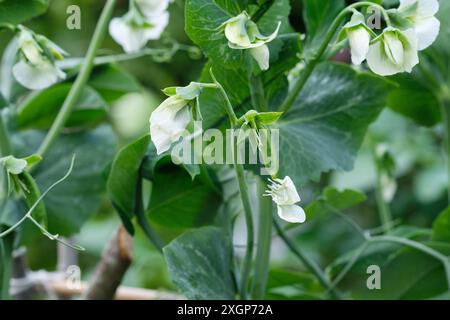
point(37, 77)
point(153, 8)
point(262, 56)
point(291, 213)
point(427, 31)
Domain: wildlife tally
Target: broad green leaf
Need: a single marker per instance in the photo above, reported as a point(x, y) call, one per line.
point(204, 17)
point(290, 285)
point(75, 200)
point(123, 178)
point(340, 200)
point(177, 201)
point(405, 273)
point(414, 100)
point(39, 110)
point(200, 264)
point(318, 16)
point(441, 227)
point(112, 82)
point(326, 126)
point(18, 11)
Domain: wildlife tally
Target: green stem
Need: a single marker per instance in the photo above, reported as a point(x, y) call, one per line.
point(243, 189)
point(228, 106)
point(262, 259)
point(142, 219)
point(259, 101)
point(310, 264)
point(445, 110)
point(5, 144)
point(311, 64)
point(383, 207)
point(81, 80)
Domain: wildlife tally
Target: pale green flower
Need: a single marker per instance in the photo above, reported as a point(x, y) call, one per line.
point(420, 16)
point(285, 196)
point(243, 34)
point(169, 120)
point(393, 51)
point(36, 68)
point(145, 21)
point(359, 36)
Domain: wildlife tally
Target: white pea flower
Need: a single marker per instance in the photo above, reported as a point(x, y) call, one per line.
point(133, 30)
point(359, 35)
point(285, 195)
point(36, 69)
point(242, 34)
point(169, 120)
point(13, 165)
point(421, 16)
point(152, 8)
point(393, 51)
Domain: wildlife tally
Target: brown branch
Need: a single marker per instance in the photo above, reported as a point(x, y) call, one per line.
point(112, 267)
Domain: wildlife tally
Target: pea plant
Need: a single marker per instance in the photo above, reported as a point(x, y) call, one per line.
point(239, 164)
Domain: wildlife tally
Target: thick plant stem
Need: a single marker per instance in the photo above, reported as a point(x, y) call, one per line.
point(310, 264)
point(5, 144)
point(262, 259)
point(243, 189)
point(445, 110)
point(81, 80)
point(311, 64)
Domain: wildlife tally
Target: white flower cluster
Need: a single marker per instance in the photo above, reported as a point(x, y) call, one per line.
point(36, 68)
point(145, 20)
point(411, 27)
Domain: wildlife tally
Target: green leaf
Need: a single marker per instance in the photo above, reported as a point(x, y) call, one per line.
point(204, 17)
point(123, 178)
point(200, 264)
point(16, 12)
point(112, 82)
point(441, 227)
point(326, 126)
point(414, 100)
point(290, 285)
point(178, 201)
point(39, 110)
point(318, 16)
point(75, 200)
point(340, 200)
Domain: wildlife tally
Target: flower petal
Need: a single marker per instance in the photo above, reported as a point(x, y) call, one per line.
point(262, 56)
point(426, 8)
point(292, 213)
point(130, 38)
point(36, 77)
point(236, 32)
point(427, 31)
point(152, 8)
point(379, 62)
point(158, 24)
point(359, 39)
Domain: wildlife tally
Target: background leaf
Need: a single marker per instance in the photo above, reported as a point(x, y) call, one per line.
point(15, 12)
point(326, 126)
point(200, 264)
